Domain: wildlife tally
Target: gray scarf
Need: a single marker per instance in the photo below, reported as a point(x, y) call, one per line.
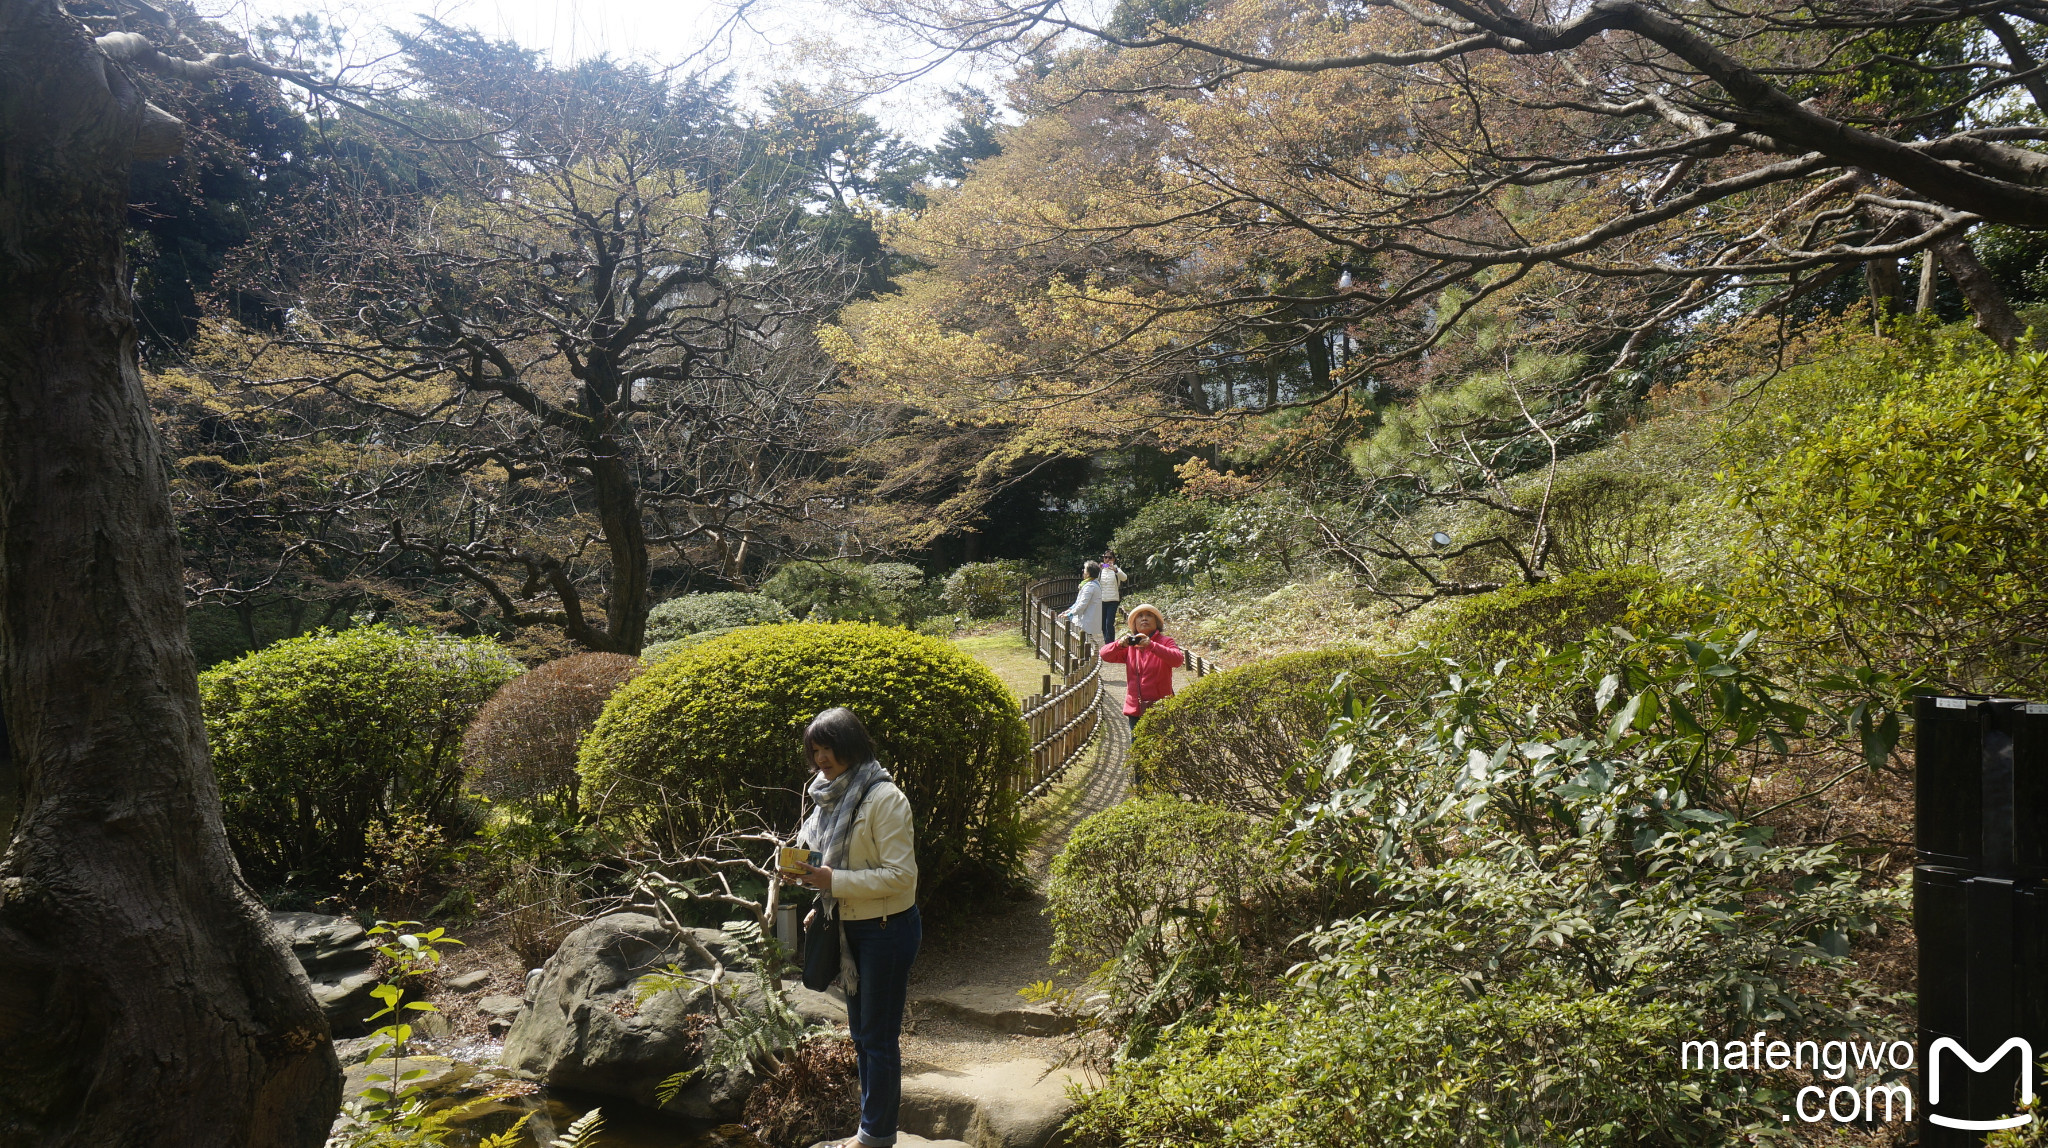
point(829, 830)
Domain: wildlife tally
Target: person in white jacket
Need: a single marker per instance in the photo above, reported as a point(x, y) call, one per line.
point(870, 876)
point(1111, 577)
point(1085, 609)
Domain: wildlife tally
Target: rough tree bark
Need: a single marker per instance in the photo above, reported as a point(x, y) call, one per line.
point(144, 998)
point(1988, 303)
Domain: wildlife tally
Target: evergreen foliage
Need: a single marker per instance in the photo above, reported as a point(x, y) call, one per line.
point(1432, 1067)
point(1541, 616)
point(1165, 537)
point(319, 740)
point(1166, 900)
point(1245, 738)
point(1895, 499)
point(724, 610)
point(714, 732)
point(986, 589)
point(837, 590)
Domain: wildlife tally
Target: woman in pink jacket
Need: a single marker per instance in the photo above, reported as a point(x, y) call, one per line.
point(1149, 658)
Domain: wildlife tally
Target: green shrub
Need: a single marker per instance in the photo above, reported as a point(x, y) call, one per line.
point(910, 596)
point(838, 590)
point(1165, 537)
point(1605, 840)
point(714, 732)
point(1602, 519)
point(1244, 739)
point(1435, 1067)
point(696, 613)
point(1903, 521)
point(521, 748)
point(1175, 902)
point(1526, 619)
point(318, 739)
point(986, 589)
point(1558, 895)
point(662, 651)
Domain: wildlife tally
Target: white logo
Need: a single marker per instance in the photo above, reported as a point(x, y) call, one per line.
point(2026, 1081)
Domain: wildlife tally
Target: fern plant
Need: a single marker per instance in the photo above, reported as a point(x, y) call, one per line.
point(583, 1132)
point(752, 1032)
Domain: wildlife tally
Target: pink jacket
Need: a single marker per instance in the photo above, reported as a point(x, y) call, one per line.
point(1150, 672)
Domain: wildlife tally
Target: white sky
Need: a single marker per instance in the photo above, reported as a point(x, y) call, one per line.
point(784, 40)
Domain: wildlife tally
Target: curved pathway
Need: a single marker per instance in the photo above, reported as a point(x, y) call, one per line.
point(981, 1063)
point(1104, 779)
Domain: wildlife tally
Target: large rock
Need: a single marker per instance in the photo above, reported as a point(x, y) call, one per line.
point(321, 942)
point(1007, 1104)
point(996, 1008)
point(585, 1031)
point(338, 957)
point(903, 1140)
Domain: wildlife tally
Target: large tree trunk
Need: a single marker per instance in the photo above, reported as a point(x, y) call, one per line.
point(625, 535)
point(1994, 314)
point(144, 998)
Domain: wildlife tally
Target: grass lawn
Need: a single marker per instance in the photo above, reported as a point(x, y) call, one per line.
point(1005, 653)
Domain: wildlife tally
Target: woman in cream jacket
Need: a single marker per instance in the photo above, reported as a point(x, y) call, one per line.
point(870, 876)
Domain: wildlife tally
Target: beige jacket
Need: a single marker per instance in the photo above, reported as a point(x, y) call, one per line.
point(880, 875)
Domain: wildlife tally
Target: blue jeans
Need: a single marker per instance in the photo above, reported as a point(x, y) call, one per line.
point(883, 948)
point(1109, 621)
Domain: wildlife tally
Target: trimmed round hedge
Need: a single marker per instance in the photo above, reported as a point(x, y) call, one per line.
point(521, 748)
point(1242, 739)
point(1164, 896)
point(316, 739)
point(985, 589)
point(714, 733)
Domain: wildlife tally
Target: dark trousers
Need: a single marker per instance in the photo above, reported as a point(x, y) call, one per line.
point(1109, 621)
point(883, 949)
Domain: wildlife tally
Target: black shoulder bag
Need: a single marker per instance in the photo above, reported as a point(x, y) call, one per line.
point(821, 937)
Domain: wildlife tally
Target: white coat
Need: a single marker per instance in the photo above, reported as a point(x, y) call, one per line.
point(1087, 609)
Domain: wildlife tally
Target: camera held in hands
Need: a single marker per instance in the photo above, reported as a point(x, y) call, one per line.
point(1133, 639)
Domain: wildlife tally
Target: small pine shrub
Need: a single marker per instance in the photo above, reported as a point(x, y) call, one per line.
point(911, 599)
point(521, 749)
point(316, 739)
point(1243, 739)
point(838, 590)
point(714, 732)
point(986, 589)
point(696, 613)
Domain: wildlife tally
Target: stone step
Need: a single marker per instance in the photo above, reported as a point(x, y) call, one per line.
point(904, 1140)
point(995, 1008)
point(1005, 1104)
